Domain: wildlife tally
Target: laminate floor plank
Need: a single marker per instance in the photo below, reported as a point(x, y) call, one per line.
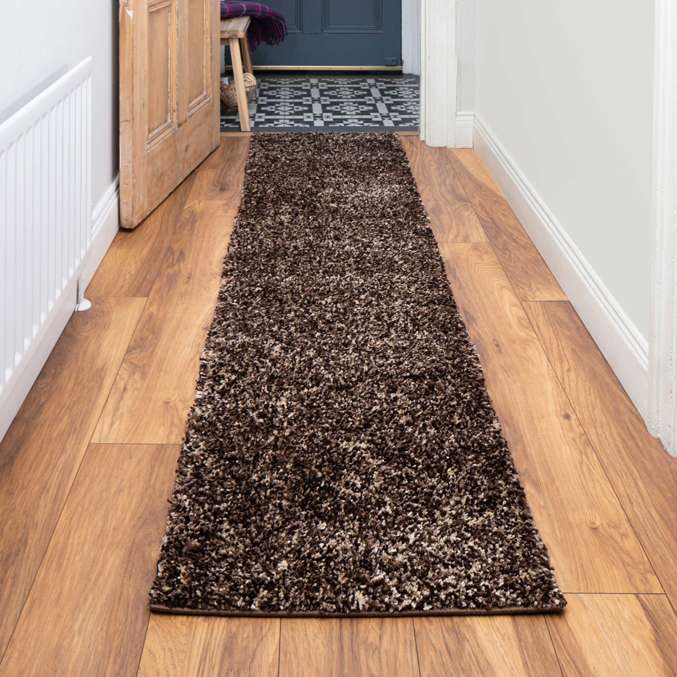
point(473, 163)
point(42, 451)
point(87, 612)
point(592, 545)
point(616, 636)
point(220, 176)
point(452, 217)
point(155, 388)
point(135, 258)
point(194, 646)
point(641, 472)
point(522, 262)
point(492, 646)
point(334, 647)
point(133, 261)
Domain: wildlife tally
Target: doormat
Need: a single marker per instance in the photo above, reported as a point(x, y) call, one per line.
point(342, 457)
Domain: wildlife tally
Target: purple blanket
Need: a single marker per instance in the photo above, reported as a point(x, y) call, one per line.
point(267, 25)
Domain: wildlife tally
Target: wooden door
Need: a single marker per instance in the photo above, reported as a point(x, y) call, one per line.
point(337, 33)
point(169, 100)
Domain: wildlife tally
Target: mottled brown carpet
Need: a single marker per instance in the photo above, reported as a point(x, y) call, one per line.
point(342, 456)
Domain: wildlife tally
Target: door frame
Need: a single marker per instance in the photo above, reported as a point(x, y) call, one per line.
point(411, 37)
point(439, 72)
point(662, 414)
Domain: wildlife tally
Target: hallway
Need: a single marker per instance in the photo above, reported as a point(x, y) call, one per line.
point(88, 464)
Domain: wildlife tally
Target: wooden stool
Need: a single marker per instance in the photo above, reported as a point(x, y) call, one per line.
point(234, 32)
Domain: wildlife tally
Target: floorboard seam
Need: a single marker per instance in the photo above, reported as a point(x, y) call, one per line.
point(143, 645)
point(117, 372)
point(418, 657)
point(554, 647)
point(279, 647)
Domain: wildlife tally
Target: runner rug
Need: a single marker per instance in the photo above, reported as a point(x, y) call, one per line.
point(343, 456)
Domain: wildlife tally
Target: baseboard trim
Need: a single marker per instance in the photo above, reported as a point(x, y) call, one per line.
point(623, 345)
point(104, 225)
point(465, 121)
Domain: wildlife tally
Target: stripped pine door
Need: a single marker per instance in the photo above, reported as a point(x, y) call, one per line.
point(169, 101)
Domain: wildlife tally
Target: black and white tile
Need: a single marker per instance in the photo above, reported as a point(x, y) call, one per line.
point(332, 103)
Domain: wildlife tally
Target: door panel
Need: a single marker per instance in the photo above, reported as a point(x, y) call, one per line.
point(161, 48)
point(336, 33)
point(199, 79)
point(293, 12)
point(342, 17)
point(169, 101)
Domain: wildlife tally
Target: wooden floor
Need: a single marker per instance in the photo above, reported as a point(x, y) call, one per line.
point(87, 467)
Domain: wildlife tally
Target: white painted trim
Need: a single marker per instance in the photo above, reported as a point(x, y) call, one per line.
point(411, 36)
point(465, 121)
point(105, 224)
point(620, 341)
point(439, 72)
point(662, 414)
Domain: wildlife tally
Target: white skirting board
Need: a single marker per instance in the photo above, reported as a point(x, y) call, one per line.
point(618, 338)
point(464, 129)
point(104, 226)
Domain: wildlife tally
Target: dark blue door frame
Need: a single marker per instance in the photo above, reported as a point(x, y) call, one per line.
point(331, 33)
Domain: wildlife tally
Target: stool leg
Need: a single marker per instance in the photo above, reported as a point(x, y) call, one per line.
point(238, 75)
point(246, 55)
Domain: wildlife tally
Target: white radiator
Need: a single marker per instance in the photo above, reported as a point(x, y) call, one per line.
point(45, 227)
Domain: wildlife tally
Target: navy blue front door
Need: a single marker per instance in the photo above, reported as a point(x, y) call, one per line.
point(337, 33)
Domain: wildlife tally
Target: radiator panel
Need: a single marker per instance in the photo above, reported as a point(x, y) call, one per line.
point(45, 226)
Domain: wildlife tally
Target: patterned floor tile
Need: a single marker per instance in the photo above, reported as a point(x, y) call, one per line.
point(331, 102)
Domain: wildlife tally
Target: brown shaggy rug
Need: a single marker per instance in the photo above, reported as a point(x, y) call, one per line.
point(342, 456)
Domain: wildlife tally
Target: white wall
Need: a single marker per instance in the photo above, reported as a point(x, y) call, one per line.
point(39, 41)
point(466, 42)
point(566, 88)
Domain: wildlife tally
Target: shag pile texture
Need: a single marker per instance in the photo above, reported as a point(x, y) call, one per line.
point(342, 456)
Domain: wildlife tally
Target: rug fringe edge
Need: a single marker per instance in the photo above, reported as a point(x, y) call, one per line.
point(505, 611)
